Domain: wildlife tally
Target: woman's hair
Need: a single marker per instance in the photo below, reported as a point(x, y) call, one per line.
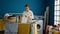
point(26, 5)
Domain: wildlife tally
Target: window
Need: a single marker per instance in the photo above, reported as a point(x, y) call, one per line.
point(57, 12)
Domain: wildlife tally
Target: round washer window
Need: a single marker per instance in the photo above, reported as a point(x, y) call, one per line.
point(38, 26)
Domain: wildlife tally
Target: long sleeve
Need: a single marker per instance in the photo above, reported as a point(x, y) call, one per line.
point(32, 15)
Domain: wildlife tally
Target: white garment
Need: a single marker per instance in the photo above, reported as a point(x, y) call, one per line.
point(25, 18)
point(6, 15)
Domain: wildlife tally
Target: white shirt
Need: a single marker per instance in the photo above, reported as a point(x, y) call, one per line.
point(27, 16)
point(7, 14)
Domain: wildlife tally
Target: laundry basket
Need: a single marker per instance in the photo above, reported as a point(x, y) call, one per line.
point(23, 28)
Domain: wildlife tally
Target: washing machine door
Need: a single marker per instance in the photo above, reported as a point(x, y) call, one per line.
point(38, 27)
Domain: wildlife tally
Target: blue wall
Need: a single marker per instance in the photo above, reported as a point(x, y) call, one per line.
point(17, 6)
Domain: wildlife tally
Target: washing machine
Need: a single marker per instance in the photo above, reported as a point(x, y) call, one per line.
point(40, 26)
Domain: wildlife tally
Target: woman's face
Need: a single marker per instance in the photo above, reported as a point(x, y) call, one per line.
point(27, 8)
